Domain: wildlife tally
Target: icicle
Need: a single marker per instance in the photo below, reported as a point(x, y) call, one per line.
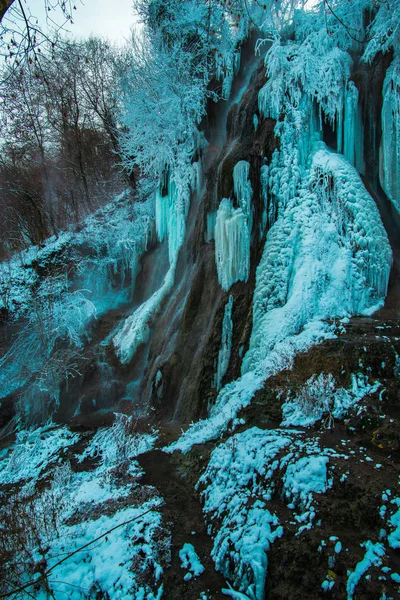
point(232, 245)
point(269, 213)
point(353, 130)
point(243, 190)
point(389, 172)
point(224, 353)
point(339, 130)
point(327, 255)
point(171, 213)
point(210, 231)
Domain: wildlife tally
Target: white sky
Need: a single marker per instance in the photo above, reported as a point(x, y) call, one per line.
point(112, 19)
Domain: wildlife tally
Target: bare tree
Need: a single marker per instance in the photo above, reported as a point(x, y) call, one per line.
point(22, 35)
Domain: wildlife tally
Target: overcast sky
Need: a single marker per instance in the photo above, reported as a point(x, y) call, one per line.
point(109, 18)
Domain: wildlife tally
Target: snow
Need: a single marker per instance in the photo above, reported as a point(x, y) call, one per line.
point(233, 594)
point(373, 557)
point(106, 566)
point(128, 545)
point(327, 585)
point(33, 450)
point(305, 476)
point(190, 560)
point(224, 353)
point(240, 480)
point(247, 527)
point(394, 536)
point(118, 442)
point(338, 547)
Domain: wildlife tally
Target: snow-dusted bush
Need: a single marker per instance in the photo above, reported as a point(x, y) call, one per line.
point(320, 398)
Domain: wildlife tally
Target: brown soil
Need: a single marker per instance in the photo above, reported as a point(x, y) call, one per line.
point(182, 513)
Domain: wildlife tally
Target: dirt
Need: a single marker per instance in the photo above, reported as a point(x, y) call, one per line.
point(182, 513)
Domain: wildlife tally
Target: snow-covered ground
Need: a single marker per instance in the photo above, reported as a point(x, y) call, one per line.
point(94, 529)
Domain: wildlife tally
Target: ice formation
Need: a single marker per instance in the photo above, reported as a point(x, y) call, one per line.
point(373, 556)
point(224, 353)
point(351, 140)
point(326, 256)
point(232, 244)
point(190, 560)
point(171, 213)
point(243, 190)
point(390, 145)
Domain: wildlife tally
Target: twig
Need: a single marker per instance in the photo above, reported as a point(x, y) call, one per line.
point(46, 573)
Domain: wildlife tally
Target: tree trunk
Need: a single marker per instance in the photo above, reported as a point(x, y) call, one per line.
point(4, 5)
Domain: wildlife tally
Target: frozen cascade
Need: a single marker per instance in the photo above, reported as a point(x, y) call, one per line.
point(243, 190)
point(224, 353)
point(352, 136)
point(389, 172)
point(112, 252)
point(232, 245)
point(171, 213)
point(326, 256)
